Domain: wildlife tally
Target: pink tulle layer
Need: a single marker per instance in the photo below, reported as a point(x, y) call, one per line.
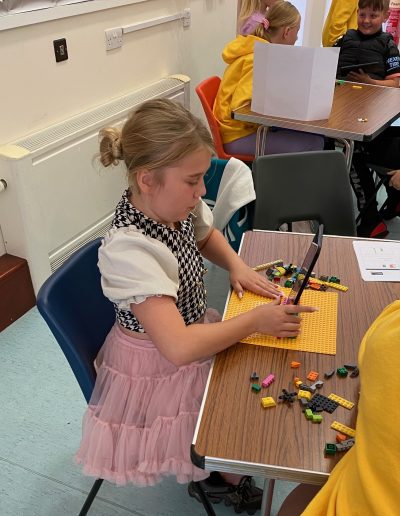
point(141, 418)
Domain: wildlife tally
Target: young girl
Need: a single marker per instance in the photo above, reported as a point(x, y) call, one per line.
point(249, 13)
point(153, 366)
point(280, 26)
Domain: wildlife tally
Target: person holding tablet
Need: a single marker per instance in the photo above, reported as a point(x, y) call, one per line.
point(368, 45)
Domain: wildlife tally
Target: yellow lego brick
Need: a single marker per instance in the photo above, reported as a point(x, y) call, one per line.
point(343, 429)
point(337, 286)
point(268, 402)
point(297, 383)
point(304, 394)
point(344, 403)
point(266, 265)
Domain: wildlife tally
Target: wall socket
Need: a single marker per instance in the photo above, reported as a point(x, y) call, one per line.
point(113, 38)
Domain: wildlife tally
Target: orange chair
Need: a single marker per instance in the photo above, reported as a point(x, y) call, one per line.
point(207, 91)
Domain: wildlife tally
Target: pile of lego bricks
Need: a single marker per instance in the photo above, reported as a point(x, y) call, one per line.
point(312, 402)
point(276, 271)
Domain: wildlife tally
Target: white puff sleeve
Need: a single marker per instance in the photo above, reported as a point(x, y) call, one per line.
point(202, 220)
point(134, 267)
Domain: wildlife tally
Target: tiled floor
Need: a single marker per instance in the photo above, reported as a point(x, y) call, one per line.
point(41, 410)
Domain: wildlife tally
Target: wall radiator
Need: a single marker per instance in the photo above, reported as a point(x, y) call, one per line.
point(57, 197)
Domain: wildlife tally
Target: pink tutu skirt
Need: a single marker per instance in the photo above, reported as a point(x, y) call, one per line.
point(141, 418)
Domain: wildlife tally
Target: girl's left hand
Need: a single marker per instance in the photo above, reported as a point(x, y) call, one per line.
point(242, 278)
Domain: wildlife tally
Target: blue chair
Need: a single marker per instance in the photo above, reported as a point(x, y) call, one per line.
point(240, 220)
point(72, 303)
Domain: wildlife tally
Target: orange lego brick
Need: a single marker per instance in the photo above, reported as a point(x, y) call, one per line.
point(312, 375)
point(294, 364)
point(340, 437)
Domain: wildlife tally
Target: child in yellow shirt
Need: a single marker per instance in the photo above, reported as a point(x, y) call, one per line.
point(342, 16)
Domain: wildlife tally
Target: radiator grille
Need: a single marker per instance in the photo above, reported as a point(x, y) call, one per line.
point(61, 255)
point(101, 116)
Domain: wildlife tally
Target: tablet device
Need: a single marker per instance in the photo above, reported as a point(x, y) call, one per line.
point(306, 268)
point(344, 70)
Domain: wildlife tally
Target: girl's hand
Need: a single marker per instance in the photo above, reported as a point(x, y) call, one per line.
point(280, 320)
point(359, 76)
point(242, 277)
point(395, 179)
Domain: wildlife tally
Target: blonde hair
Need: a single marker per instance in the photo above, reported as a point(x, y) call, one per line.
point(249, 7)
point(281, 14)
point(157, 134)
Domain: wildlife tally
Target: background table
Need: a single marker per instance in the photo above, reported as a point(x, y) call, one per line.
point(234, 433)
point(378, 105)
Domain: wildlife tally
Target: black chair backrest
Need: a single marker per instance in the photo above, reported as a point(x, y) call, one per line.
point(303, 186)
point(73, 305)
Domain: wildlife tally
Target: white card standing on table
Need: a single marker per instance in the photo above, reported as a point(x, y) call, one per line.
point(294, 82)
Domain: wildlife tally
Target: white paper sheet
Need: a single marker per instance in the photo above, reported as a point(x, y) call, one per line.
point(378, 261)
point(293, 82)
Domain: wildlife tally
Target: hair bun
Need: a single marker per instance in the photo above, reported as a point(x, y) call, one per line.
point(116, 148)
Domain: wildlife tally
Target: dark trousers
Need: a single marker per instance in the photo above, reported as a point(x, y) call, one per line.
point(383, 151)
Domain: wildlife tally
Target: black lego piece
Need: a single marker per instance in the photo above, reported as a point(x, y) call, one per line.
point(355, 373)
point(329, 374)
point(288, 397)
point(319, 401)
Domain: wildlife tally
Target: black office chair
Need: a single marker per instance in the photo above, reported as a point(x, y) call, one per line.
point(303, 186)
point(72, 303)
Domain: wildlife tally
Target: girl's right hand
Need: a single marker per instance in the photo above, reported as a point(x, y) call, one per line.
point(280, 320)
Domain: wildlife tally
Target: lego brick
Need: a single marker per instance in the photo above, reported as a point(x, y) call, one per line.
point(355, 373)
point(323, 402)
point(303, 403)
point(266, 265)
point(312, 376)
point(329, 374)
point(254, 377)
point(340, 437)
point(268, 402)
point(317, 418)
point(288, 397)
point(342, 372)
point(309, 414)
point(345, 445)
point(343, 429)
point(350, 367)
point(305, 387)
point(294, 364)
point(268, 380)
point(317, 385)
point(297, 383)
point(343, 402)
point(255, 387)
point(330, 449)
point(304, 394)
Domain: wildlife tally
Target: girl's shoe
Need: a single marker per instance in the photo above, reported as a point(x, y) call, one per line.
point(214, 487)
point(246, 497)
point(243, 497)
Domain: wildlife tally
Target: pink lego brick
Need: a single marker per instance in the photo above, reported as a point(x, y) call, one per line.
point(268, 380)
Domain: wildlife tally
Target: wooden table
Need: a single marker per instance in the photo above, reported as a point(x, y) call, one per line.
point(234, 433)
point(379, 106)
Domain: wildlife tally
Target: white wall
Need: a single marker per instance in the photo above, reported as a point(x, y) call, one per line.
point(35, 91)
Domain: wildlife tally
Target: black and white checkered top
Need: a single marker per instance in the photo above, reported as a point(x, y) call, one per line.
point(191, 295)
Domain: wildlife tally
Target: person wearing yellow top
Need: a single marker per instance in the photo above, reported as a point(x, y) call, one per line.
point(366, 480)
point(342, 16)
point(281, 26)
